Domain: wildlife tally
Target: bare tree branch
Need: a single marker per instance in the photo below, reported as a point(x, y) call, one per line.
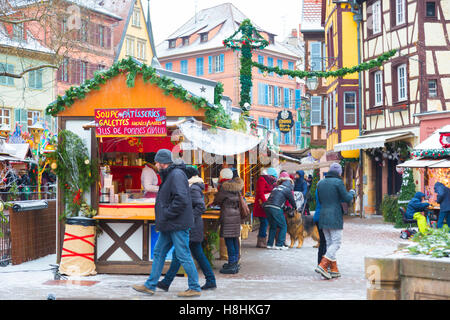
point(20, 75)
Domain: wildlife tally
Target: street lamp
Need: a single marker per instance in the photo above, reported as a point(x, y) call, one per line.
point(312, 83)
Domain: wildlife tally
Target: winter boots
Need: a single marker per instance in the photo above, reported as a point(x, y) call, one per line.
point(334, 271)
point(261, 243)
point(328, 268)
point(230, 268)
point(322, 268)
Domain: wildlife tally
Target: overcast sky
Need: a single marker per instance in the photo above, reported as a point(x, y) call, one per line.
point(279, 17)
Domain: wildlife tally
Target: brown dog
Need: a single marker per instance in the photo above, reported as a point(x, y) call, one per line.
point(300, 227)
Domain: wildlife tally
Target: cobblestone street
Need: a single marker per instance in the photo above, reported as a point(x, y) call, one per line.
point(265, 274)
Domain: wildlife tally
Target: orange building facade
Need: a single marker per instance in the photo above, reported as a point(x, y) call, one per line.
point(196, 49)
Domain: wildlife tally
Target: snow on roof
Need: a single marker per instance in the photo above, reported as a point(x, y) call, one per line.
point(225, 15)
point(88, 4)
point(30, 44)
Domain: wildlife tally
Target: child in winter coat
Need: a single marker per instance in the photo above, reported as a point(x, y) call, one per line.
point(230, 218)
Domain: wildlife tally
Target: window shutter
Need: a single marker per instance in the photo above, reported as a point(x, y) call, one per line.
point(108, 37)
point(260, 94)
point(298, 98)
point(38, 79)
point(270, 64)
point(222, 62)
point(275, 96)
point(210, 64)
point(260, 61)
point(298, 133)
point(266, 94)
point(316, 108)
point(316, 56)
point(286, 97)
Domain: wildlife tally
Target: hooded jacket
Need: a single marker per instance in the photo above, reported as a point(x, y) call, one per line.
point(264, 185)
point(443, 196)
point(282, 193)
point(173, 205)
point(331, 192)
point(300, 183)
point(230, 216)
point(197, 186)
point(416, 205)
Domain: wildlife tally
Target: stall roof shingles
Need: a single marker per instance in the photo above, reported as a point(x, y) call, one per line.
point(312, 14)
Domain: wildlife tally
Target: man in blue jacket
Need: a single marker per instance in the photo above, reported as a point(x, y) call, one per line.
point(443, 198)
point(173, 219)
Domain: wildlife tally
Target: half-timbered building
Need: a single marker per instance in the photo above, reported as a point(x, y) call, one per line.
point(415, 81)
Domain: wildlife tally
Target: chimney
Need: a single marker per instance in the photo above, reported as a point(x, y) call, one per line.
point(294, 33)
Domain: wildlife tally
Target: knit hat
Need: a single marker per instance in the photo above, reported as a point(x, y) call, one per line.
point(284, 175)
point(226, 174)
point(336, 168)
point(272, 172)
point(164, 156)
point(191, 171)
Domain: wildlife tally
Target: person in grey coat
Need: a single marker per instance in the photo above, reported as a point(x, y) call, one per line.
point(331, 192)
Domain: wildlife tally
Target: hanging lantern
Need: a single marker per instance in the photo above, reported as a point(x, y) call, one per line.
point(54, 165)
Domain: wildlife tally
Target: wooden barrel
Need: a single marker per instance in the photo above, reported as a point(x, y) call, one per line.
point(77, 257)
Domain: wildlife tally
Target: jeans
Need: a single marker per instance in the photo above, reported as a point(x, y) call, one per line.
point(276, 220)
point(232, 249)
point(322, 244)
point(443, 215)
point(263, 223)
point(180, 240)
point(333, 237)
point(199, 256)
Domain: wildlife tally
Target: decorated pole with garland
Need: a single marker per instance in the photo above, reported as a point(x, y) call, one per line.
point(251, 40)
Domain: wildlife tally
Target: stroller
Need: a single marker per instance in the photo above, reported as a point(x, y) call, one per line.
point(412, 223)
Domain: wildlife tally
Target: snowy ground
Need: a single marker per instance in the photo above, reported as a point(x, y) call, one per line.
point(265, 274)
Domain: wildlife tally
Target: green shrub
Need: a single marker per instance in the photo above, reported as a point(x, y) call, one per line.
point(389, 208)
point(435, 243)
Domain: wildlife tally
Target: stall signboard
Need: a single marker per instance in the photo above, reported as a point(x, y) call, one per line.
point(132, 122)
point(285, 121)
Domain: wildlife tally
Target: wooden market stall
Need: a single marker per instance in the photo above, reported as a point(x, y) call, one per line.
point(432, 158)
point(120, 123)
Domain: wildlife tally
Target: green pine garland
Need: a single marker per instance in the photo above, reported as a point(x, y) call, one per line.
point(215, 114)
point(378, 62)
point(432, 153)
point(251, 39)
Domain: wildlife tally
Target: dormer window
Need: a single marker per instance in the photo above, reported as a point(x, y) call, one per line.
point(185, 41)
point(271, 39)
point(204, 37)
point(172, 43)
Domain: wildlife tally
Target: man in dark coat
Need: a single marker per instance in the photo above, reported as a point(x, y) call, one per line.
point(331, 192)
point(443, 198)
point(274, 210)
point(173, 219)
point(197, 186)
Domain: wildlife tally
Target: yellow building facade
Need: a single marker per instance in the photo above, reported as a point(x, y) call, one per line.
point(343, 106)
point(137, 36)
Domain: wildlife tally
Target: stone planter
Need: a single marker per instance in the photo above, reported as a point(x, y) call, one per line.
point(407, 277)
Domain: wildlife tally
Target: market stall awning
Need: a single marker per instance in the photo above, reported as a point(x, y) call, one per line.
point(425, 163)
point(218, 141)
point(371, 141)
point(432, 142)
